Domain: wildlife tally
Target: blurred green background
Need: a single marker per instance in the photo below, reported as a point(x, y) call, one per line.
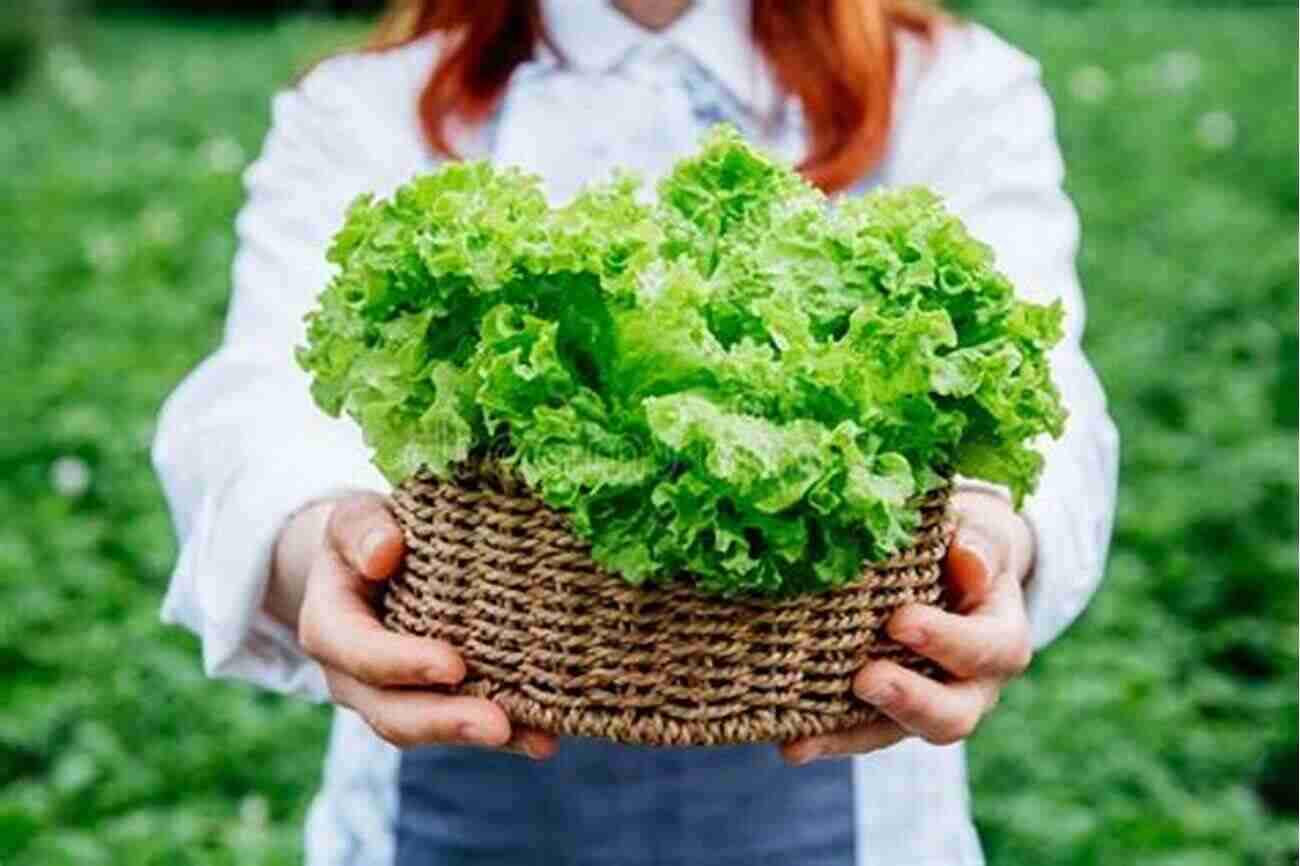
point(1160, 730)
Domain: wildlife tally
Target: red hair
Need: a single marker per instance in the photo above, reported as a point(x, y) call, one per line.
point(837, 57)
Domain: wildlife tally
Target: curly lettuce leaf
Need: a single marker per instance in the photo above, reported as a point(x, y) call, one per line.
point(739, 382)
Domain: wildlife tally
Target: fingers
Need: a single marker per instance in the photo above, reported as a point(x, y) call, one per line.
point(337, 628)
point(363, 661)
point(913, 705)
point(858, 741)
point(992, 642)
point(984, 645)
point(365, 664)
point(415, 718)
point(968, 569)
point(939, 713)
point(365, 533)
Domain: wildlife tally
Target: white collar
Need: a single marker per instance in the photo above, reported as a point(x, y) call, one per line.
point(593, 35)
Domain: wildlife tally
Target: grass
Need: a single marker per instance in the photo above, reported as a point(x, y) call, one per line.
point(1160, 730)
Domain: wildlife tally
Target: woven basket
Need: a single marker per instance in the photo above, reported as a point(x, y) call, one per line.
point(565, 647)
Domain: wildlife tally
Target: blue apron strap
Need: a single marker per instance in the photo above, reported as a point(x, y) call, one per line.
point(599, 803)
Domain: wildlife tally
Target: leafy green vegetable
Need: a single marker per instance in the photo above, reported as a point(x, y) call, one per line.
point(740, 381)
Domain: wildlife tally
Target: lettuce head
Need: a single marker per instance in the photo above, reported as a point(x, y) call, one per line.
point(739, 384)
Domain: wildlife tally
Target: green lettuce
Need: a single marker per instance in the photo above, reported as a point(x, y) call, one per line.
point(739, 382)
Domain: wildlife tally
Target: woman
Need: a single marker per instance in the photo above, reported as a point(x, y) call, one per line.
point(283, 522)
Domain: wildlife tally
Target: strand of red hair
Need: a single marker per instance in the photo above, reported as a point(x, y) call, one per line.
point(837, 57)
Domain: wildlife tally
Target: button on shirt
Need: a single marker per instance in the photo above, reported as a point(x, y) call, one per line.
point(240, 445)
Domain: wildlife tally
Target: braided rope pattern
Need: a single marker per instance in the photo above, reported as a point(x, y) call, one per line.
point(565, 647)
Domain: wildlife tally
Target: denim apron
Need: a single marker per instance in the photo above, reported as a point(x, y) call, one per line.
point(600, 804)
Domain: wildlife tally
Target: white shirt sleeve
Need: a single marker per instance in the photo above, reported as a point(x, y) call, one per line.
point(979, 128)
point(240, 445)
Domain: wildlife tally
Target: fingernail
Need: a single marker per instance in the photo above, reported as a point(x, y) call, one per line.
point(808, 754)
point(371, 542)
point(880, 693)
point(977, 545)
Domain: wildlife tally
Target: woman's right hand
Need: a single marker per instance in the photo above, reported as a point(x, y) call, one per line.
point(330, 559)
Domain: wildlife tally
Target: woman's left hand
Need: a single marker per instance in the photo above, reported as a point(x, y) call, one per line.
point(982, 644)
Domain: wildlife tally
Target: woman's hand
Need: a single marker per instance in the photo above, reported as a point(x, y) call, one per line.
point(982, 644)
point(329, 561)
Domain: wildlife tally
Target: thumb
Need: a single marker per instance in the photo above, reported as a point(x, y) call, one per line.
point(974, 560)
point(366, 535)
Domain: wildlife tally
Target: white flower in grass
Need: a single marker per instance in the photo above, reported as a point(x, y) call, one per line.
point(1090, 84)
point(70, 477)
point(103, 250)
point(161, 225)
point(254, 812)
point(74, 772)
point(73, 79)
point(1179, 69)
point(222, 155)
point(1216, 130)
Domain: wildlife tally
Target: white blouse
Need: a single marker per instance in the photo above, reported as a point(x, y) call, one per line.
point(240, 444)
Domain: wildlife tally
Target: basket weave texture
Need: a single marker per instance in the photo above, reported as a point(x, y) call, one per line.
point(566, 647)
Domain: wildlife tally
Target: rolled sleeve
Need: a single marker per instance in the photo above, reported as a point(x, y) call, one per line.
point(239, 445)
point(238, 452)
